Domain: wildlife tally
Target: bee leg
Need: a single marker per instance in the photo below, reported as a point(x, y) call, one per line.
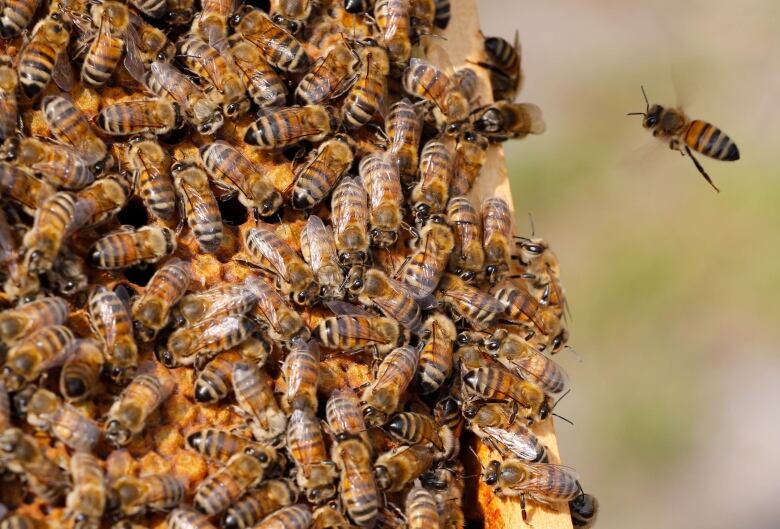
point(522, 506)
point(701, 169)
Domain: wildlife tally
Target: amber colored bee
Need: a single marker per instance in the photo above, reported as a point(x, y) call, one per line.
point(403, 124)
point(449, 94)
point(492, 423)
point(113, 38)
point(128, 247)
point(58, 164)
point(45, 57)
point(391, 297)
point(156, 492)
point(41, 350)
point(21, 453)
point(421, 17)
point(479, 309)
point(319, 251)
point(421, 509)
point(290, 14)
point(200, 206)
point(329, 77)
point(151, 172)
point(68, 276)
point(277, 45)
point(503, 120)
point(233, 171)
point(293, 517)
point(87, 501)
point(254, 395)
point(447, 412)
point(379, 173)
point(503, 64)
point(349, 216)
point(268, 497)
point(496, 383)
point(57, 218)
point(211, 24)
point(436, 355)
point(21, 186)
point(151, 311)
point(153, 116)
point(293, 276)
point(429, 195)
point(81, 371)
point(315, 474)
point(278, 128)
point(277, 318)
point(47, 412)
point(496, 234)
point(383, 396)
point(393, 19)
point(301, 370)
point(15, 16)
point(225, 299)
point(214, 382)
point(111, 321)
point(345, 419)
point(416, 428)
point(523, 308)
point(359, 331)
point(584, 511)
point(468, 256)
point(315, 178)
point(364, 98)
point(104, 197)
point(220, 445)
point(395, 469)
point(187, 518)
point(470, 156)
point(429, 258)
point(200, 342)
point(357, 487)
point(539, 261)
point(128, 415)
point(9, 110)
point(68, 125)
point(263, 83)
point(329, 516)
point(18, 323)
point(153, 44)
point(220, 489)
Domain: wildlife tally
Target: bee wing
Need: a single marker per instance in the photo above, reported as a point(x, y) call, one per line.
point(173, 82)
point(533, 367)
point(523, 446)
point(473, 297)
point(536, 124)
point(62, 73)
point(538, 484)
point(343, 308)
point(428, 273)
point(268, 301)
point(133, 62)
point(317, 241)
point(437, 72)
point(271, 252)
point(84, 437)
point(201, 201)
point(438, 56)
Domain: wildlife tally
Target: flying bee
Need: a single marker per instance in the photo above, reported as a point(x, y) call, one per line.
point(9, 110)
point(391, 297)
point(436, 355)
point(293, 276)
point(349, 216)
point(221, 446)
point(129, 413)
point(426, 264)
point(268, 497)
point(128, 247)
point(263, 83)
point(68, 125)
point(21, 453)
point(156, 492)
point(215, 381)
point(290, 14)
point(113, 37)
point(278, 128)
point(314, 474)
point(15, 17)
point(200, 206)
point(393, 20)
point(277, 45)
point(468, 256)
point(81, 371)
point(496, 234)
point(204, 340)
point(58, 164)
point(254, 395)
point(380, 177)
point(320, 172)
point(400, 466)
point(503, 65)
point(292, 517)
point(684, 134)
point(153, 116)
point(41, 350)
point(364, 98)
point(56, 219)
point(491, 423)
point(345, 419)
point(301, 372)
point(584, 511)
point(467, 303)
point(232, 171)
point(470, 156)
point(152, 176)
point(429, 195)
point(21, 186)
point(319, 251)
point(329, 77)
point(526, 398)
point(404, 129)
point(523, 309)
point(187, 518)
point(357, 486)
point(503, 120)
point(87, 501)
point(382, 397)
point(220, 489)
point(225, 299)
point(417, 429)
point(104, 197)
point(45, 57)
point(19, 323)
point(277, 318)
point(151, 311)
point(354, 330)
point(421, 509)
point(329, 516)
point(541, 482)
point(48, 413)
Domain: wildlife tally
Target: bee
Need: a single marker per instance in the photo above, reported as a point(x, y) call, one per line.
point(447, 412)
point(540, 482)
point(293, 276)
point(153, 116)
point(9, 109)
point(404, 128)
point(45, 57)
point(21, 454)
point(329, 516)
point(68, 275)
point(234, 172)
point(187, 518)
point(364, 98)
point(151, 311)
point(584, 511)
point(22, 521)
point(432, 84)
point(113, 37)
point(496, 234)
point(87, 501)
point(345, 419)
point(393, 20)
point(220, 489)
point(156, 492)
point(491, 423)
point(211, 24)
point(263, 83)
point(110, 319)
point(128, 247)
point(204, 340)
point(382, 396)
point(319, 251)
point(151, 173)
point(358, 330)
point(200, 206)
point(320, 172)
point(503, 65)
point(254, 395)
point(278, 128)
point(225, 299)
point(221, 446)
point(421, 509)
point(539, 261)
point(208, 63)
point(357, 487)
point(526, 398)
point(128, 415)
point(349, 216)
point(467, 303)
point(277, 45)
point(524, 309)
point(278, 319)
point(292, 517)
point(41, 350)
point(685, 135)
point(268, 497)
point(153, 44)
point(426, 264)
point(503, 120)
point(429, 195)
point(215, 381)
point(418, 429)
point(18, 323)
point(400, 466)
point(81, 370)
point(15, 17)
point(69, 126)
point(468, 256)
point(104, 197)
point(58, 164)
point(314, 474)
point(442, 14)
point(330, 76)
point(421, 17)
point(390, 297)
point(290, 14)
point(301, 370)
point(379, 173)
point(150, 8)
point(436, 355)
point(470, 156)
point(48, 413)
point(21, 186)
point(57, 218)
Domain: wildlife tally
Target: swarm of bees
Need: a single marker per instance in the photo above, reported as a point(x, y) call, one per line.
point(247, 281)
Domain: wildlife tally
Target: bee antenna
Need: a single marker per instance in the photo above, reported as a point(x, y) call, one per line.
point(531, 220)
point(561, 398)
point(471, 449)
point(563, 418)
point(647, 103)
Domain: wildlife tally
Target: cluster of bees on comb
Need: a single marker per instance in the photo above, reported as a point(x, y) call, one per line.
point(245, 284)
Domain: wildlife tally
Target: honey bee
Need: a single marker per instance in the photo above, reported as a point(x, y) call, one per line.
point(81, 371)
point(57, 218)
point(429, 195)
point(491, 422)
point(357, 487)
point(379, 173)
point(421, 17)
point(110, 319)
point(278, 128)
point(263, 83)
point(364, 98)
point(290, 14)
point(523, 309)
point(357, 330)
point(232, 171)
point(220, 445)
point(329, 77)
point(496, 234)
point(104, 197)
point(584, 511)
point(151, 311)
point(541, 482)
point(322, 169)
point(48, 413)
point(225, 299)
point(503, 65)
point(21, 186)
point(45, 57)
point(319, 251)
point(15, 17)
point(418, 429)
point(254, 394)
point(215, 381)
point(329, 516)
point(446, 412)
point(470, 156)
point(113, 37)
point(220, 489)
point(404, 128)
point(277, 45)
point(278, 319)
point(204, 340)
point(314, 474)
point(58, 164)
point(301, 372)
point(382, 397)
point(391, 297)
point(9, 109)
point(479, 309)
point(128, 415)
point(293, 277)
point(432, 84)
point(200, 206)
point(153, 44)
point(87, 501)
point(684, 134)
point(68, 125)
point(503, 120)
point(540, 262)
point(156, 492)
point(526, 398)
point(21, 322)
point(187, 518)
point(41, 350)
point(151, 172)
point(128, 247)
point(400, 466)
point(468, 256)
point(393, 20)
point(421, 509)
point(436, 355)
point(293, 517)
point(150, 8)
point(447, 491)
point(345, 419)
point(153, 116)
point(21, 454)
point(211, 24)
point(268, 497)
point(349, 215)
point(426, 264)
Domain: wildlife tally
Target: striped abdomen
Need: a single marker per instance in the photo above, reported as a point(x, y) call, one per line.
point(305, 441)
point(349, 206)
point(221, 445)
point(268, 497)
point(522, 306)
point(363, 99)
point(155, 185)
point(553, 483)
point(358, 488)
point(292, 517)
point(435, 362)
point(15, 16)
point(70, 126)
point(187, 518)
point(219, 490)
point(302, 372)
point(136, 117)
point(396, 371)
point(710, 141)
point(495, 383)
point(39, 349)
point(254, 389)
point(102, 58)
point(81, 371)
point(36, 65)
point(111, 320)
point(404, 128)
point(421, 509)
point(344, 416)
point(152, 8)
point(215, 381)
point(163, 291)
point(280, 48)
point(264, 85)
point(200, 208)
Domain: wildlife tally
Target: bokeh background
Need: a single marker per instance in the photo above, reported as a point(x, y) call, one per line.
point(674, 289)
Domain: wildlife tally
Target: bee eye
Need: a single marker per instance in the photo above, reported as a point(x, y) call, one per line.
point(651, 121)
point(303, 296)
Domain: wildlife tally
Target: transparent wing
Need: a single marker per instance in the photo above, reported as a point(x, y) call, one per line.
point(533, 113)
point(523, 444)
point(317, 244)
point(277, 252)
point(62, 73)
point(342, 308)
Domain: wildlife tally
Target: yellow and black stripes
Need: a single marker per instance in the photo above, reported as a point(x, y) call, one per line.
point(709, 140)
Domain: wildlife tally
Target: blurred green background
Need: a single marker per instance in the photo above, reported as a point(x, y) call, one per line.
point(673, 288)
